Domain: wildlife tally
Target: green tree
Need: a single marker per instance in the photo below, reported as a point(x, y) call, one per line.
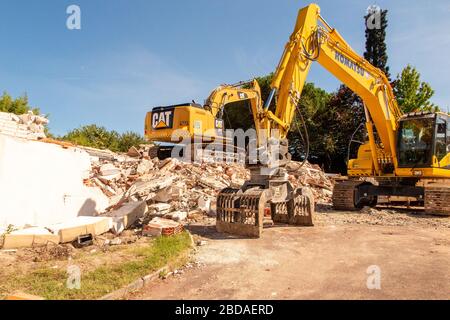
point(100, 138)
point(17, 106)
point(130, 139)
point(313, 109)
point(411, 93)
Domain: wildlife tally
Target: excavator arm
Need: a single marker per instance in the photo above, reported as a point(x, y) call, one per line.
point(314, 40)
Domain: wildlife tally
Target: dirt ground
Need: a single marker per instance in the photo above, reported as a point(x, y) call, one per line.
point(328, 261)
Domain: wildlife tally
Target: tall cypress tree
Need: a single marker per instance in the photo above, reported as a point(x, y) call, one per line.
point(376, 49)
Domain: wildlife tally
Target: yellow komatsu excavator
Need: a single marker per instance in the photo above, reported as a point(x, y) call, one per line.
point(405, 155)
point(191, 123)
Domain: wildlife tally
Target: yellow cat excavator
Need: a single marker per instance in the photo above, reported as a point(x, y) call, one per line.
point(194, 125)
point(405, 155)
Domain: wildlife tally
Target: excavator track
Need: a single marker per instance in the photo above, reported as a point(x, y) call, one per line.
point(344, 195)
point(241, 212)
point(437, 200)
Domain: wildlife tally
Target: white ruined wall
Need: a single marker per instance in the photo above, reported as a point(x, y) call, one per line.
point(42, 183)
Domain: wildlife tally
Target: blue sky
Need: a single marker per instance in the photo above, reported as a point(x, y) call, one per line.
point(131, 55)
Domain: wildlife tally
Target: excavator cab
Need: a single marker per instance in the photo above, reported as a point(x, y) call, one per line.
point(424, 141)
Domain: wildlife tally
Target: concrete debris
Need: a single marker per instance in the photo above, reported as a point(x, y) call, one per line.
point(173, 186)
point(144, 167)
point(140, 188)
point(159, 209)
point(311, 175)
point(69, 231)
point(127, 215)
point(29, 237)
point(178, 216)
point(26, 126)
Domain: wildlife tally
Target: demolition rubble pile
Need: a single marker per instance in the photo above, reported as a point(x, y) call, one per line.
point(178, 190)
point(135, 192)
point(27, 126)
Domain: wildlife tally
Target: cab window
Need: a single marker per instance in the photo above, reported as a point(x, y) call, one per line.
point(441, 139)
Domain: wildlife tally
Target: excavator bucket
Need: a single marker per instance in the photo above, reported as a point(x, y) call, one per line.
point(298, 210)
point(241, 212)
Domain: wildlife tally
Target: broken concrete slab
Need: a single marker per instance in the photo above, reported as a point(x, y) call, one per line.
point(29, 237)
point(109, 169)
point(150, 184)
point(127, 215)
point(144, 167)
point(168, 164)
point(178, 216)
point(204, 203)
point(159, 209)
point(163, 195)
point(72, 229)
point(211, 182)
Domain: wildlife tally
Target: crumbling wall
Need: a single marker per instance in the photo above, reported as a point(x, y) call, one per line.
point(42, 183)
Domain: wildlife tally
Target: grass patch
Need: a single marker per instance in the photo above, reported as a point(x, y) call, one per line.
point(51, 283)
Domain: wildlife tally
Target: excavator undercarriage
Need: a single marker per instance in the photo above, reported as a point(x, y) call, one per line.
point(432, 194)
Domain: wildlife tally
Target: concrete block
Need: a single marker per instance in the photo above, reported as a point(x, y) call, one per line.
point(128, 214)
point(204, 204)
point(70, 230)
point(177, 216)
point(164, 195)
point(159, 209)
point(144, 167)
point(109, 169)
point(30, 237)
point(51, 181)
